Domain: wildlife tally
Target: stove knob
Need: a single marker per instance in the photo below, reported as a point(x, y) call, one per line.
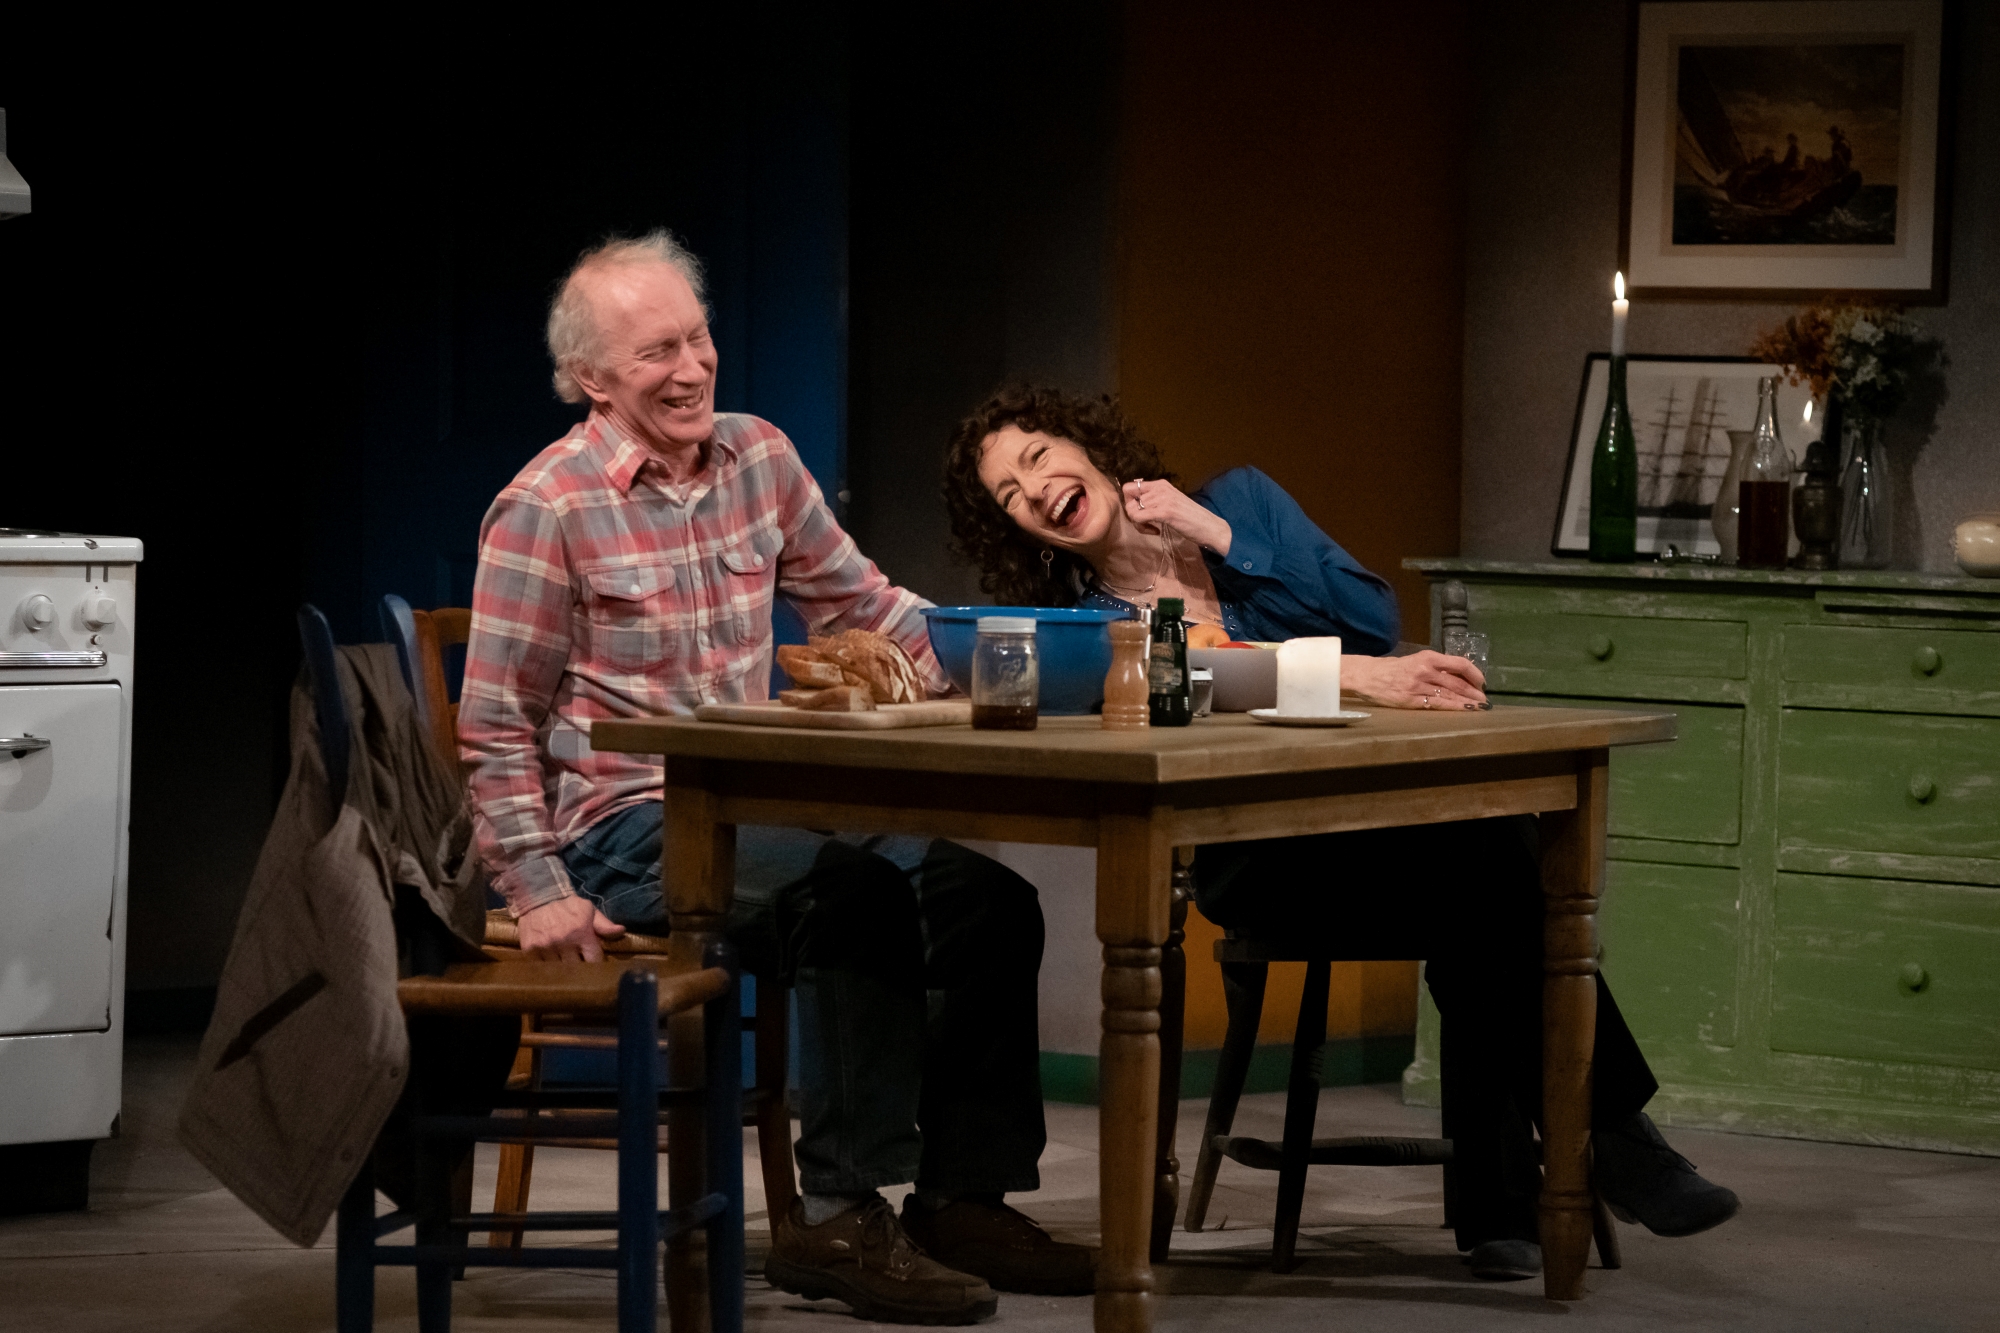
point(39, 612)
point(99, 609)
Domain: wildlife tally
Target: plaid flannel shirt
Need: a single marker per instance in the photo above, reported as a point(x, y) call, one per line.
point(604, 591)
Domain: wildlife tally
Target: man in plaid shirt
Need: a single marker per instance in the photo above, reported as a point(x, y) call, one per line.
point(629, 571)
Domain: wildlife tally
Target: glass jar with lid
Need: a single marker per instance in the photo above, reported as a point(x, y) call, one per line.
point(1006, 675)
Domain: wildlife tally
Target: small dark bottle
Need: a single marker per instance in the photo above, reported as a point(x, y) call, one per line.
point(1171, 701)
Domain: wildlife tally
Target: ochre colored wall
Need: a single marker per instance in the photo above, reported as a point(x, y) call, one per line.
point(1291, 230)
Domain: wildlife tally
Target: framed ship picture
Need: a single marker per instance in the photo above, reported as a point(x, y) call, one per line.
point(1786, 150)
point(1683, 409)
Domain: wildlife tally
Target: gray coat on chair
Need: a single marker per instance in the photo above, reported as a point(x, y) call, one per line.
point(308, 1051)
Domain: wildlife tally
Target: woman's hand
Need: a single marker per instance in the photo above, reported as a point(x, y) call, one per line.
point(1151, 504)
point(1421, 680)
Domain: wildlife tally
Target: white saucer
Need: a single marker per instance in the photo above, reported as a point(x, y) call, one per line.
point(1277, 719)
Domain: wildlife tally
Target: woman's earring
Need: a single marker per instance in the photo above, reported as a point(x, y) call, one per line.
point(1048, 563)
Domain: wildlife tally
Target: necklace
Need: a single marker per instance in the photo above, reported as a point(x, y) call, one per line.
point(1147, 590)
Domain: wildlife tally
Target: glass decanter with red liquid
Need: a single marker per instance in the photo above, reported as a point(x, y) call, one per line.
point(1763, 527)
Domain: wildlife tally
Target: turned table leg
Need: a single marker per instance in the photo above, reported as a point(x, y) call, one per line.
point(1572, 879)
point(1173, 1018)
point(699, 867)
point(1134, 863)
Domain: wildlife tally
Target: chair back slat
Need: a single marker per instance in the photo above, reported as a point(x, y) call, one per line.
point(421, 638)
point(454, 625)
point(329, 704)
point(399, 626)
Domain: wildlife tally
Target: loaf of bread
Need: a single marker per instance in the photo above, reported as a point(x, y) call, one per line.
point(858, 658)
point(837, 699)
point(807, 669)
point(1207, 636)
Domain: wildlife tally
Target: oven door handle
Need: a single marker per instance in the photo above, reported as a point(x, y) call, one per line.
point(20, 745)
point(43, 661)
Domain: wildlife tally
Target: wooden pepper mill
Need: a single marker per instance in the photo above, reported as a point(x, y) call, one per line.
point(1126, 689)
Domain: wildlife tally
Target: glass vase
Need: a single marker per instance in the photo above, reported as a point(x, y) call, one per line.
point(1722, 518)
point(1867, 523)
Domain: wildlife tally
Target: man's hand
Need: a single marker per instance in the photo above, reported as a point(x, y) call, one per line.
point(1151, 504)
point(566, 928)
point(1421, 680)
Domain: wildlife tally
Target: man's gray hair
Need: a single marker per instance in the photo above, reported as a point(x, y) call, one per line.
point(574, 338)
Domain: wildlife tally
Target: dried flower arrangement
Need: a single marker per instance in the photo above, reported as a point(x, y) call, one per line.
point(1864, 355)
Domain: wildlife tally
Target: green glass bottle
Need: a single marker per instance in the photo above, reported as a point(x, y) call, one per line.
point(1614, 478)
point(1172, 691)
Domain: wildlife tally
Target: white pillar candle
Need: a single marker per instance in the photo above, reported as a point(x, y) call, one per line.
point(1309, 677)
point(1620, 307)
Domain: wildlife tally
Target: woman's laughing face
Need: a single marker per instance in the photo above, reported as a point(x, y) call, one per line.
point(1049, 487)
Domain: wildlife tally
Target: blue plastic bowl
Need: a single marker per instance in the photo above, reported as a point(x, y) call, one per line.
point(1073, 644)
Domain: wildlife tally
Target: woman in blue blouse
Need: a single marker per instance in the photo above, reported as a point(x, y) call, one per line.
point(1059, 502)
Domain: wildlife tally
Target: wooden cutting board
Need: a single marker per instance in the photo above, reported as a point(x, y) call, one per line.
point(931, 713)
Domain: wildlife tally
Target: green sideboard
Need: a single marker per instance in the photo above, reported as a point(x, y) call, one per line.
point(1801, 918)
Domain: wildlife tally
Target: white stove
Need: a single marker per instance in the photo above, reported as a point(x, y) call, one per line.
point(66, 620)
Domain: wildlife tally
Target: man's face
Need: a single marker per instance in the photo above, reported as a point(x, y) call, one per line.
point(657, 371)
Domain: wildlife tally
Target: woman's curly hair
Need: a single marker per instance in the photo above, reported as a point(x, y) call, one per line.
point(1009, 561)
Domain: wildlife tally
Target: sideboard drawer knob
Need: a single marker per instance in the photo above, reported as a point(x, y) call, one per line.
point(1927, 661)
point(1600, 647)
point(1913, 978)
point(1922, 789)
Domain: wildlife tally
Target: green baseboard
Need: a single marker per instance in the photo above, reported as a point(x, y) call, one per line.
point(1344, 1061)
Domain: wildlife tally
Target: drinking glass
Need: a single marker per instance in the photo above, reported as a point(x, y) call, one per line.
point(1474, 648)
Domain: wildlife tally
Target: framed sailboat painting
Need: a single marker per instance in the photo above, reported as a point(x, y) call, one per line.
point(1688, 413)
point(1787, 150)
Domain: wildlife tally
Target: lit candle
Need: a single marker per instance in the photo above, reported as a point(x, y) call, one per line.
point(1620, 307)
point(1309, 677)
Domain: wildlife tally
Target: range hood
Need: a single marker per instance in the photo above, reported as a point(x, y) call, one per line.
point(13, 190)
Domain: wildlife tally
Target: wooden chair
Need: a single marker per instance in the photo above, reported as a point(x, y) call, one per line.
point(639, 993)
point(1245, 968)
point(421, 638)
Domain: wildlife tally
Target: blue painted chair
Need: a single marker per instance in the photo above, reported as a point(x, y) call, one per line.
point(639, 992)
point(421, 638)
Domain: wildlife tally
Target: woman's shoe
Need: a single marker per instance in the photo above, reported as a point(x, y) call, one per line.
point(1645, 1181)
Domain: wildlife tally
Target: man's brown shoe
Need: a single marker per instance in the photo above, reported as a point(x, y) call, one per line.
point(863, 1258)
point(1006, 1247)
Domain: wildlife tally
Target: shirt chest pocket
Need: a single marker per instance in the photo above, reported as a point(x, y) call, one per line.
point(633, 624)
point(746, 577)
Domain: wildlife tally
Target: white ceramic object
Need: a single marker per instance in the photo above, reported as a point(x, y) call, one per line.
point(1309, 677)
point(1245, 678)
point(1976, 544)
point(1343, 718)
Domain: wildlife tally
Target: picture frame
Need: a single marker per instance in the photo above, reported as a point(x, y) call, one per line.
point(1787, 150)
point(1682, 410)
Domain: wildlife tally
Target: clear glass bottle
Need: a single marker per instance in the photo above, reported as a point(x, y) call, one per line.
point(1006, 675)
point(1763, 521)
point(1867, 536)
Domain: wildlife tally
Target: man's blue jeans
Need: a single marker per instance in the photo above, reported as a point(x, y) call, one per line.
point(914, 963)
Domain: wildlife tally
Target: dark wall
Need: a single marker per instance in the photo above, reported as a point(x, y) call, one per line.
point(1292, 219)
point(287, 330)
point(984, 178)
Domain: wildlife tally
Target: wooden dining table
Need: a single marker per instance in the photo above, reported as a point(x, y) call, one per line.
point(1136, 797)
